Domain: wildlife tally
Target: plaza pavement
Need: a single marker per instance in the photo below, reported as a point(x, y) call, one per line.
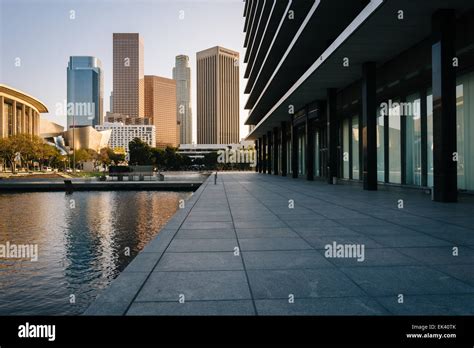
point(238, 249)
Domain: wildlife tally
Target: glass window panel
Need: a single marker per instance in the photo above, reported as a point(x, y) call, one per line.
point(413, 140)
point(380, 147)
point(429, 134)
point(394, 144)
point(355, 148)
point(345, 148)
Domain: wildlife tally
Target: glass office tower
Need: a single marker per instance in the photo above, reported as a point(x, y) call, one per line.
point(85, 92)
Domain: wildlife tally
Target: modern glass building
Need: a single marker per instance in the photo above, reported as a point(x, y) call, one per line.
point(182, 75)
point(379, 92)
point(85, 92)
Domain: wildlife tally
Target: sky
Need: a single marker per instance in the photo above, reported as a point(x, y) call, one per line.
point(37, 37)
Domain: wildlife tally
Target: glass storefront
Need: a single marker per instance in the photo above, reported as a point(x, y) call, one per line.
point(465, 131)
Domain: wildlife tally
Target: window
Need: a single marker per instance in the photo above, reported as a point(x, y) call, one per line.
point(394, 144)
point(429, 134)
point(380, 146)
point(413, 140)
point(345, 149)
point(355, 148)
point(316, 154)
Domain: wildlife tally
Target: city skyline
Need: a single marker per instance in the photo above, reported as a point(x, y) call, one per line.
point(162, 45)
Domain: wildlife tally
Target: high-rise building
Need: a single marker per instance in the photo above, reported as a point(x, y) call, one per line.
point(160, 107)
point(85, 91)
point(122, 134)
point(217, 96)
point(182, 75)
point(128, 76)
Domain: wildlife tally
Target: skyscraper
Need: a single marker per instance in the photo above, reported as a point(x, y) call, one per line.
point(217, 96)
point(128, 79)
point(160, 107)
point(182, 75)
point(85, 91)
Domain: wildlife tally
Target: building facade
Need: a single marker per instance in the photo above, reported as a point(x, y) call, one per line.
point(19, 112)
point(218, 96)
point(128, 75)
point(376, 92)
point(85, 91)
point(160, 108)
point(122, 135)
point(182, 75)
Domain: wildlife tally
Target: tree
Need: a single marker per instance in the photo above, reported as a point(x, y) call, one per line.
point(158, 157)
point(140, 152)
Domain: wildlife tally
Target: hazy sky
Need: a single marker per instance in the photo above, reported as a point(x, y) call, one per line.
point(42, 35)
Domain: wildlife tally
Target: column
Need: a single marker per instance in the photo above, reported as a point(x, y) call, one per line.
point(369, 126)
point(14, 118)
point(294, 151)
point(309, 148)
point(264, 154)
point(275, 151)
point(260, 155)
point(2, 117)
point(283, 140)
point(332, 132)
point(257, 154)
point(444, 106)
point(23, 119)
point(269, 153)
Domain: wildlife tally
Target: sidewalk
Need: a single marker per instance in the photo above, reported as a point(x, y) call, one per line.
point(237, 248)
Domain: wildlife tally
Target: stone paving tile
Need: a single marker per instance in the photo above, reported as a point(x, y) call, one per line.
point(411, 280)
point(284, 259)
point(205, 225)
point(321, 306)
point(441, 255)
point(463, 273)
point(252, 244)
point(321, 242)
point(412, 240)
point(215, 285)
point(452, 304)
point(215, 261)
point(284, 232)
point(305, 283)
point(197, 308)
point(200, 245)
point(225, 233)
point(377, 257)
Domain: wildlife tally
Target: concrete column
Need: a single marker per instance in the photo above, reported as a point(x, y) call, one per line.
point(332, 132)
point(2, 117)
point(14, 118)
point(23, 119)
point(275, 151)
point(294, 151)
point(269, 153)
point(309, 148)
point(369, 126)
point(444, 106)
point(257, 154)
point(283, 154)
point(264, 154)
point(260, 155)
